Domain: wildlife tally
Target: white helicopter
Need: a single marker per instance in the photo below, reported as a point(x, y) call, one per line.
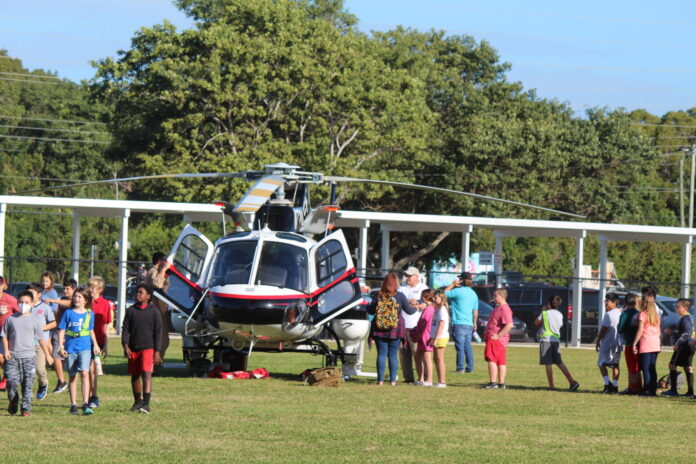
point(267, 285)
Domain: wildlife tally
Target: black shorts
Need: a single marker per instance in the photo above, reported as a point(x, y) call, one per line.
point(683, 356)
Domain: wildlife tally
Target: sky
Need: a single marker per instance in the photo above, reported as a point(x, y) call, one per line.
point(612, 53)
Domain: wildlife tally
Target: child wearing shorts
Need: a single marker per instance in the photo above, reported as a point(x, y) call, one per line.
point(550, 322)
point(420, 335)
point(609, 344)
point(77, 343)
point(439, 335)
point(683, 354)
point(497, 338)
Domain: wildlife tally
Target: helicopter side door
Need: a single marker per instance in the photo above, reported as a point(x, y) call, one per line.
point(190, 258)
point(335, 283)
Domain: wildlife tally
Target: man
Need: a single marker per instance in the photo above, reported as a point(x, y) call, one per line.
point(464, 307)
point(156, 278)
point(412, 291)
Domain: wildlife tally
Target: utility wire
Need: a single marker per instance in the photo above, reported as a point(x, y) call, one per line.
point(51, 139)
point(28, 118)
point(37, 76)
point(662, 125)
point(77, 131)
point(27, 80)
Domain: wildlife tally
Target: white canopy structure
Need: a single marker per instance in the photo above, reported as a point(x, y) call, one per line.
point(388, 222)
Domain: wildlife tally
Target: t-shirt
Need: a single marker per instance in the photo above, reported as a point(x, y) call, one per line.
point(53, 295)
point(555, 321)
point(650, 339)
point(74, 321)
point(101, 307)
point(612, 341)
point(499, 318)
point(8, 305)
point(44, 314)
point(412, 293)
point(684, 329)
point(440, 315)
point(463, 301)
point(421, 332)
point(22, 333)
point(628, 325)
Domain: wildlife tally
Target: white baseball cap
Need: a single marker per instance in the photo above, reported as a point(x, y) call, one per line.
point(412, 271)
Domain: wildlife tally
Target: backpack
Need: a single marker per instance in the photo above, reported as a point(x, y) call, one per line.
point(387, 313)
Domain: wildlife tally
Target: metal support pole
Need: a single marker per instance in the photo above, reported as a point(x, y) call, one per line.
point(362, 251)
point(3, 211)
point(498, 261)
point(76, 247)
point(602, 279)
point(466, 246)
point(385, 250)
point(577, 289)
point(122, 269)
point(686, 268)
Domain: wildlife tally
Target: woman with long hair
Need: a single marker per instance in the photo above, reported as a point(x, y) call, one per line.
point(647, 342)
point(388, 325)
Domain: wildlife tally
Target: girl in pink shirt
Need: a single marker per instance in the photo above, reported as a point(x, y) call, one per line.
point(420, 335)
point(648, 339)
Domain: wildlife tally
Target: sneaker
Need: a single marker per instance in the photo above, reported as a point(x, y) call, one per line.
point(86, 410)
point(418, 383)
point(669, 393)
point(427, 384)
point(136, 406)
point(26, 414)
point(145, 409)
point(607, 389)
point(459, 371)
point(73, 410)
point(491, 385)
point(14, 405)
point(3, 384)
point(613, 389)
point(440, 385)
point(502, 385)
point(60, 388)
point(574, 386)
point(94, 402)
point(41, 393)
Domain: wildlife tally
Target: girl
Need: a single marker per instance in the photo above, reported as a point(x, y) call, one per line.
point(647, 342)
point(420, 335)
point(388, 339)
point(439, 335)
point(48, 292)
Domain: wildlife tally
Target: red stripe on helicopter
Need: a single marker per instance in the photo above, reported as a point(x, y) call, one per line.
point(285, 297)
point(180, 275)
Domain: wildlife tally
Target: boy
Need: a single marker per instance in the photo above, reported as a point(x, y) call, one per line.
point(682, 355)
point(19, 334)
point(69, 287)
point(497, 337)
point(628, 326)
point(141, 336)
point(77, 342)
point(610, 344)
point(550, 322)
point(101, 307)
point(45, 315)
point(8, 305)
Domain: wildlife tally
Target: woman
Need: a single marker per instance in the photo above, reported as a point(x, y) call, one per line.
point(387, 329)
point(647, 342)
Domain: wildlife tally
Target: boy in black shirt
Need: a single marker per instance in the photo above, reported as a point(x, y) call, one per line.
point(682, 350)
point(141, 336)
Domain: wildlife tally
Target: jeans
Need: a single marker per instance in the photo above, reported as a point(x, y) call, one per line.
point(462, 343)
point(647, 365)
point(387, 348)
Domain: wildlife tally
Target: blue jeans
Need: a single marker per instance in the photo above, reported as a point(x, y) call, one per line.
point(647, 365)
point(387, 348)
point(462, 343)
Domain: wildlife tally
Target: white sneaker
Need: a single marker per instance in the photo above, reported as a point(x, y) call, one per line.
point(427, 384)
point(440, 385)
point(418, 383)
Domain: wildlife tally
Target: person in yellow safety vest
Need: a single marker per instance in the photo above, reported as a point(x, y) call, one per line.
point(77, 342)
point(551, 320)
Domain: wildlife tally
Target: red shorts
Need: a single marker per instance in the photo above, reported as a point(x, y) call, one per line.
point(632, 360)
point(495, 352)
point(141, 361)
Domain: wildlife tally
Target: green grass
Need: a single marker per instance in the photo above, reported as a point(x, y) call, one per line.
point(281, 420)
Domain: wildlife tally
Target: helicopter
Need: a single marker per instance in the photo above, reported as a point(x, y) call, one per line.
point(268, 284)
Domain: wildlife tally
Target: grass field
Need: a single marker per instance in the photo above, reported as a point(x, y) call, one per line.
point(280, 420)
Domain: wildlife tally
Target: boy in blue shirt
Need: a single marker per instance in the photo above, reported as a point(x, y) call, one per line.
point(77, 342)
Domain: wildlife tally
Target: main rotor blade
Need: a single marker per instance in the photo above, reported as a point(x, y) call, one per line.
point(124, 179)
point(258, 194)
point(444, 190)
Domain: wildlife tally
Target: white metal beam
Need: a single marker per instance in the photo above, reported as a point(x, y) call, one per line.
point(498, 260)
point(686, 268)
point(362, 250)
point(466, 245)
point(602, 280)
point(385, 249)
point(3, 211)
point(76, 247)
point(577, 291)
point(122, 269)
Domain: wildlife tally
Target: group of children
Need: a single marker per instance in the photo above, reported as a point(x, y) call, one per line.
point(70, 333)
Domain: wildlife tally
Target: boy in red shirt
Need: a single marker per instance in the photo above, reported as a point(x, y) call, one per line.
point(101, 307)
point(497, 337)
point(8, 305)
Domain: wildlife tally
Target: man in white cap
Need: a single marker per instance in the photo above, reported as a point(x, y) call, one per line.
point(412, 291)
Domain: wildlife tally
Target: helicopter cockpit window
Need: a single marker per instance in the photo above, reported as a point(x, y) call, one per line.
point(282, 265)
point(190, 257)
point(233, 263)
point(331, 262)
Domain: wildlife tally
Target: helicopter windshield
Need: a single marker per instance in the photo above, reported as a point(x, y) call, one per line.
point(283, 265)
point(233, 263)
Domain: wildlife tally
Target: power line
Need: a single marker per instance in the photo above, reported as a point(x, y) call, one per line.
point(662, 125)
point(28, 118)
point(51, 139)
point(28, 80)
point(53, 129)
point(29, 75)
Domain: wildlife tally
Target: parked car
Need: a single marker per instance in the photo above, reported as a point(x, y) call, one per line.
point(669, 319)
point(519, 328)
point(18, 287)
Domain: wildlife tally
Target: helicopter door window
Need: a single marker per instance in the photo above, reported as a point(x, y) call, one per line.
point(233, 263)
point(331, 262)
point(190, 257)
point(283, 265)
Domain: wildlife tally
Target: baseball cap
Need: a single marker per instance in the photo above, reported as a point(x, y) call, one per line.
point(412, 271)
point(465, 276)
